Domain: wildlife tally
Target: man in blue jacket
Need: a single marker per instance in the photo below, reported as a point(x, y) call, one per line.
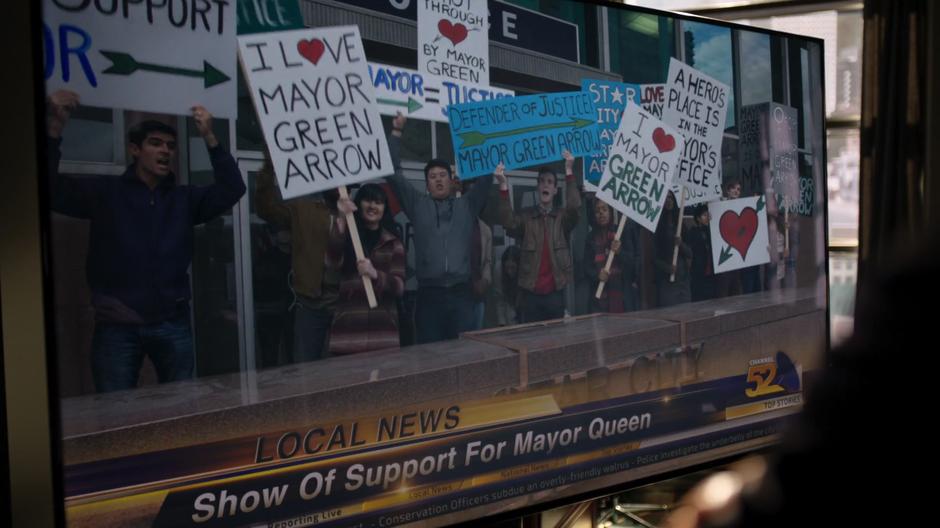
point(444, 227)
point(140, 245)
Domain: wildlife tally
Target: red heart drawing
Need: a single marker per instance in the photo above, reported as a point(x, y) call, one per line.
point(455, 32)
point(739, 230)
point(664, 142)
point(311, 50)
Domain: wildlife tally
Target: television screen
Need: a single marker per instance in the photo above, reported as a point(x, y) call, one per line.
point(377, 263)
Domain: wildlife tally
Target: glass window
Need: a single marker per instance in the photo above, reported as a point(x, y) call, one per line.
point(843, 170)
point(757, 76)
point(641, 45)
point(708, 48)
point(90, 136)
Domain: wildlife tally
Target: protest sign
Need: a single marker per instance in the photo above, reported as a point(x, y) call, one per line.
point(422, 95)
point(769, 157)
point(312, 93)
point(639, 172)
point(176, 59)
point(696, 105)
point(653, 98)
point(609, 98)
point(739, 233)
point(522, 131)
point(453, 41)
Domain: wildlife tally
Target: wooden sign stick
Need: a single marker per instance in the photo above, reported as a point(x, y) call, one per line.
point(610, 255)
point(786, 229)
point(357, 247)
point(675, 250)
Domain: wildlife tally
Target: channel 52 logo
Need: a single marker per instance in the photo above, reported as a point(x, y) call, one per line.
point(771, 375)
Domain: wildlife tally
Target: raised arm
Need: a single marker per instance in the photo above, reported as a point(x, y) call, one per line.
point(572, 194)
point(511, 222)
point(407, 195)
point(212, 200)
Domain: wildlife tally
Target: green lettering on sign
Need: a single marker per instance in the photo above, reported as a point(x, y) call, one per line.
point(262, 16)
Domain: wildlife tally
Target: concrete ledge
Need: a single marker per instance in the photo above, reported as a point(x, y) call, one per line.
point(595, 357)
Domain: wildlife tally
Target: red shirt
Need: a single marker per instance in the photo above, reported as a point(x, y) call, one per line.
point(545, 283)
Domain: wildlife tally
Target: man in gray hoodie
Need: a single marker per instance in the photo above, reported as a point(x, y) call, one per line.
point(443, 227)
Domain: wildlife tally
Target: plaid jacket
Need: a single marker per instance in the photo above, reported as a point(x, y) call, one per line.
point(356, 327)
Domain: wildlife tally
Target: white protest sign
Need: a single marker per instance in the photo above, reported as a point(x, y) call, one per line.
point(639, 171)
point(696, 105)
point(739, 233)
point(312, 93)
point(162, 57)
point(453, 40)
point(422, 95)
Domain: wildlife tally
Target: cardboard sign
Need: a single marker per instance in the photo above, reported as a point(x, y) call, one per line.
point(642, 161)
point(739, 233)
point(453, 42)
point(653, 99)
point(422, 95)
point(312, 93)
point(697, 105)
point(769, 157)
point(150, 56)
point(610, 98)
point(522, 131)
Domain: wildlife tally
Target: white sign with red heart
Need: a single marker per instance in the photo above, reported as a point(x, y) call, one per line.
point(453, 40)
point(641, 166)
point(739, 233)
point(315, 101)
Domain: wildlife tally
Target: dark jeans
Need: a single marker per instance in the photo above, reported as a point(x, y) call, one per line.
point(118, 350)
point(443, 313)
point(535, 307)
point(311, 333)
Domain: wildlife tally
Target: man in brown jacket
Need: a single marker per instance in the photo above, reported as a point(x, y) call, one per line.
point(315, 286)
point(542, 232)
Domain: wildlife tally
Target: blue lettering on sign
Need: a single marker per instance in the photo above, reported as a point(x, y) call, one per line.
point(397, 81)
point(610, 98)
point(457, 94)
point(77, 46)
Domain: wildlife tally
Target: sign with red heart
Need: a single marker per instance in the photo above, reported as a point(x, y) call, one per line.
point(663, 140)
point(739, 233)
point(316, 104)
point(456, 33)
point(738, 230)
point(311, 49)
point(640, 166)
point(453, 41)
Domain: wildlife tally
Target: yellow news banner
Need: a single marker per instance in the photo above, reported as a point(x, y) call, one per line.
point(95, 509)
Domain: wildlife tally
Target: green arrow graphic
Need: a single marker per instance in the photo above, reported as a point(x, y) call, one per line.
point(760, 203)
point(412, 105)
point(473, 139)
point(724, 256)
point(125, 64)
